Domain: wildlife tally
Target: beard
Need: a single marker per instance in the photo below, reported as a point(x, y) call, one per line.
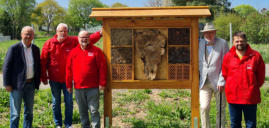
point(241, 47)
point(26, 40)
point(61, 38)
point(84, 44)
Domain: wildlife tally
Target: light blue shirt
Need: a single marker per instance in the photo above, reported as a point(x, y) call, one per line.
point(209, 48)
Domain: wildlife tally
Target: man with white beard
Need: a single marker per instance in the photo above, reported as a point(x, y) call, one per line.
point(86, 68)
point(53, 63)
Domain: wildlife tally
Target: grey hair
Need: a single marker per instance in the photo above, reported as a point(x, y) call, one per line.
point(26, 27)
point(62, 25)
point(82, 32)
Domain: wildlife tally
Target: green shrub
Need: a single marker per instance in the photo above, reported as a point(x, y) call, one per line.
point(4, 98)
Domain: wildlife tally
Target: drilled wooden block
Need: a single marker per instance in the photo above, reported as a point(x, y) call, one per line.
point(121, 37)
point(178, 36)
point(186, 72)
point(121, 71)
point(121, 55)
point(179, 55)
point(178, 72)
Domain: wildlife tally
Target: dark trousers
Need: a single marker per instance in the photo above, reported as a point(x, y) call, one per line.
point(250, 115)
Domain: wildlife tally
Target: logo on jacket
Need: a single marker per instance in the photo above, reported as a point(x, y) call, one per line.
point(249, 67)
point(90, 54)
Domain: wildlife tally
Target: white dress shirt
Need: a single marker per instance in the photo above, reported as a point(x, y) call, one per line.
point(29, 61)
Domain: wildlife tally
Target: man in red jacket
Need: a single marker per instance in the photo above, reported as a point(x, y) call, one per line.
point(244, 71)
point(86, 68)
point(53, 60)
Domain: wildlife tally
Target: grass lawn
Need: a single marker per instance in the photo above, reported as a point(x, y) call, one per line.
point(263, 49)
point(134, 108)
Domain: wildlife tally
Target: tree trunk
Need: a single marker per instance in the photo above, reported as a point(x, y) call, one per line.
point(48, 29)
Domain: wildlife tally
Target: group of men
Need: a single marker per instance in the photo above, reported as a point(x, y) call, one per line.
point(68, 61)
point(239, 71)
point(65, 61)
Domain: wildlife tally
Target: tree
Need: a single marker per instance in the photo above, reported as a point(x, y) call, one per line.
point(5, 26)
point(244, 10)
point(159, 3)
point(50, 12)
point(216, 6)
point(79, 11)
point(118, 5)
point(252, 27)
point(154, 3)
point(37, 18)
point(222, 24)
point(18, 12)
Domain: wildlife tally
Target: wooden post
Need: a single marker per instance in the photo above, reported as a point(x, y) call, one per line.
point(108, 90)
point(195, 74)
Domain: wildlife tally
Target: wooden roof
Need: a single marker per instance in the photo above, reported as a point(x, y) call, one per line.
point(181, 11)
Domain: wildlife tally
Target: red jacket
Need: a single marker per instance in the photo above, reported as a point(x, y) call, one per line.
point(243, 77)
point(54, 55)
point(86, 68)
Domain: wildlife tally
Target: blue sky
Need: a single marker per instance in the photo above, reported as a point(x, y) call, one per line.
point(258, 4)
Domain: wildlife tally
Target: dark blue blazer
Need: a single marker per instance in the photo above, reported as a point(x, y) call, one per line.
point(14, 67)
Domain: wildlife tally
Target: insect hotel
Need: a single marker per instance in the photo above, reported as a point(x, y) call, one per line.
point(151, 48)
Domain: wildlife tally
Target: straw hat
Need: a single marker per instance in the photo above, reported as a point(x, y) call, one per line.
point(208, 27)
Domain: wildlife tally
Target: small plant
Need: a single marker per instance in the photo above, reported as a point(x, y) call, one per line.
point(148, 91)
point(136, 96)
point(4, 99)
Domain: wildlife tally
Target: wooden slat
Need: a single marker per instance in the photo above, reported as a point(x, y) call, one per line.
point(119, 23)
point(192, 11)
point(137, 84)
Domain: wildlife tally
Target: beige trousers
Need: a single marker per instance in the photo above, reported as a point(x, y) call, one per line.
point(206, 93)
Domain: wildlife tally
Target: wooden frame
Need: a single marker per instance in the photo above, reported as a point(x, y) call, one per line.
point(132, 18)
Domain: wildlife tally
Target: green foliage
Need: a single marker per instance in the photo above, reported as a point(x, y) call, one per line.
point(262, 49)
point(4, 99)
point(252, 27)
point(148, 91)
point(136, 96)
point(79, 11)
point(222, 24)
point(48, 13)
point(267, 79)
point(244, 10)
point(5, 23)
point(262, 113)
point(216, 6)
point(118, 5)
point(175, 94)
point(16, 15)
point(163, 115)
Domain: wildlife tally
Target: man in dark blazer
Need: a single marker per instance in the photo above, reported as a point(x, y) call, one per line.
point(21, 76)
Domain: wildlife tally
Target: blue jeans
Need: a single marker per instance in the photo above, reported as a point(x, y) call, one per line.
point(56, 89)
point(88, 100)
point(16, 96)
point(250, 115)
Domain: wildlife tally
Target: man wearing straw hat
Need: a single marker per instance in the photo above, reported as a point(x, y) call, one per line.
point(211, 53)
